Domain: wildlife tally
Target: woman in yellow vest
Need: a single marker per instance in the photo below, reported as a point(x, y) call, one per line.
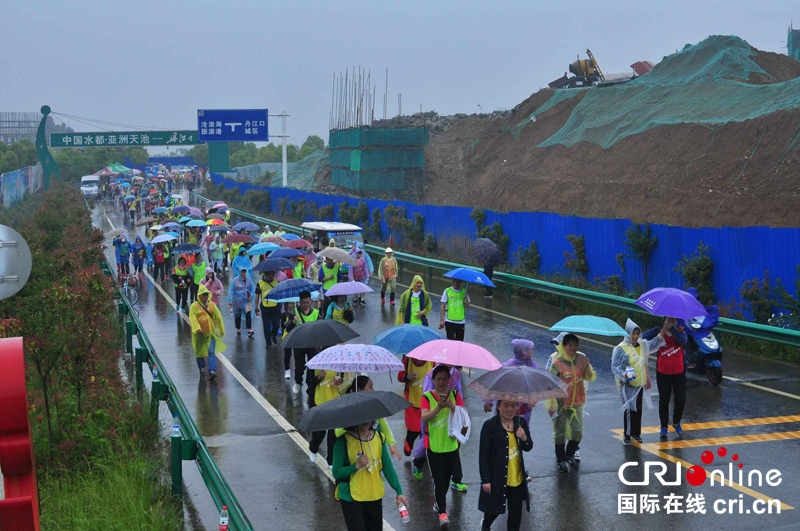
point(272, 312)
point(441, 448)
point(413, 377)
point(340, 310)
point(330, 385)
point(359, 457)
point(415, 304)
point(207, 331)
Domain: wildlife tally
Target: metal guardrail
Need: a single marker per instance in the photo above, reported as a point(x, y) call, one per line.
point(190, 446)
point(732, 326)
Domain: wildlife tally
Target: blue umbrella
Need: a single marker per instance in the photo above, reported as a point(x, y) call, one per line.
point(161, 238)
point(180, 209)
point(129, 197)
point(160, 210)
point(220, 228)
point(589, 324)
point(263, 248)
point(189, 248)
point(246, 225)
point(405, 338)
point(173, 234)
point(285, 252)
point(292, 288)
point(469, 275)
point(173, 226)
point(196, 223)
point(290, 237)
point(125, 185)
point(274, 264)
point(314, 296)
point(185, 219)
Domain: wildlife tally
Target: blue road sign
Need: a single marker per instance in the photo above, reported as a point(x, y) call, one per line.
point(232, 125)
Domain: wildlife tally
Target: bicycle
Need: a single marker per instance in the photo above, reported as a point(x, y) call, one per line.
point(129, 284)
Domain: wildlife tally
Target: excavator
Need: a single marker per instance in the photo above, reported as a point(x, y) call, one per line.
point(586, 72)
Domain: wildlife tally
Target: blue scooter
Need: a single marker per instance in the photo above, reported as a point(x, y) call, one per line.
point(702, 345)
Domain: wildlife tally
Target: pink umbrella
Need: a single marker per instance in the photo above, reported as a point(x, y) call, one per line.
point(456, 353)
point(297, 244)
point(220, 205)
point(356, 358)
point(196, 211)
point(348, 288)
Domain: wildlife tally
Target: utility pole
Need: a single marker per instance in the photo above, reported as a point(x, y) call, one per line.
point(283, 136)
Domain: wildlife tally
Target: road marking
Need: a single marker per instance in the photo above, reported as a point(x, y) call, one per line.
point(720, 441)
point(735, 423)
point(259, 398)
point(685, 464)
point(770, 390)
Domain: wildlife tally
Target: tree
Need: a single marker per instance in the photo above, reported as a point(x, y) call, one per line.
point(696, 271)
point(139, 155)
point(315, 142)
point(9, 162)
point(200, 154)
point(578, 263)
point(641, 243)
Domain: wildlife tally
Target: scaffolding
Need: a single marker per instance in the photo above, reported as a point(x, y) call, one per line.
point(16, 126)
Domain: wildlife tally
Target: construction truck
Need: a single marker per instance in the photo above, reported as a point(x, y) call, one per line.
point(586, 73)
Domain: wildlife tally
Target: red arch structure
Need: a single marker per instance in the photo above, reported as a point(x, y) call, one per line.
point(19, 511)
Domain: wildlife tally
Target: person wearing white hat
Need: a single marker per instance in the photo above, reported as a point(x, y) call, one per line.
point(387, 272)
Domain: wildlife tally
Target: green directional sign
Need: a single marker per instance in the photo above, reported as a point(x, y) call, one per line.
point(124, 138)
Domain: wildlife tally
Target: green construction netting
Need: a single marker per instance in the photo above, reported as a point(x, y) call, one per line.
point(382, 136)
point(555, 99)
point(369, 180)
point(793, 44)
point(375, 159)
point(696, 85)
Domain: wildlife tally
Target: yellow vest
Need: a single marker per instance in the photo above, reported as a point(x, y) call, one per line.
point(266, 287)
point(366, 484)
point(514, 462)
point(415, 386)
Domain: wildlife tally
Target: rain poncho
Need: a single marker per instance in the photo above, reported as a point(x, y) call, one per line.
point(237, 293)
point(404, 311)
point(139, 252)
point(568, 412)
point(354, 251)
point(360, 271)
point(213, 286)
point(627, 355)
point(243, 262)
point(123, 250)
point(206, 324)
point(523, 357)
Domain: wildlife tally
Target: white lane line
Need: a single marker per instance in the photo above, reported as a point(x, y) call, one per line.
point(273, 413)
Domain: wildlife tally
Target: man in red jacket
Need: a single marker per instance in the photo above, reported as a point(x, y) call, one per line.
point(670, 374)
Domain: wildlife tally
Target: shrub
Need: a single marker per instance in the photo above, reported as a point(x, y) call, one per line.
point(696, 271)
point(325, 213)
point(641, 243)
point(529, 259)
point(430, 243)
point(494, 232)
point(258, 200)
point(612, 284)
point(283, 208)
point(577, 263)
point(375, 230)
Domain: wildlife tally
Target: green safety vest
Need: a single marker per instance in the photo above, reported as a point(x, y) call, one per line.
point(199, 272)
point(455, 304)
point(326, 272)
point(438, 440)
point(307, 318)
point(414, 302)
point(298, 270)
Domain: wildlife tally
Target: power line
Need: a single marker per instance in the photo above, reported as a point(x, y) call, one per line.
point(115, 124)
point(85, 123)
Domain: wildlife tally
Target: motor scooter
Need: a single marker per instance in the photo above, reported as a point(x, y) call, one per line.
point(702, 350)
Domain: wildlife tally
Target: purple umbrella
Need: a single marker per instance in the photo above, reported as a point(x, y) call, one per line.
point(348, 288)
point(195, 211)
point(671, 302)
point(355, 358)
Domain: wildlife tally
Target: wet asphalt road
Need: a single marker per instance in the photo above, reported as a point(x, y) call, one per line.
point(279, 489)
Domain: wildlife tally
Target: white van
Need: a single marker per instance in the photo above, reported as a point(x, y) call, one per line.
point(90, 185)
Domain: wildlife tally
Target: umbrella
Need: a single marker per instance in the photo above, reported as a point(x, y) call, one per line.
point(195, 216)
point(215, 222)
point(156, 227)
point(173, 226)
point(125, 185)
point(177, 196)
point(589, 324)
point(195, 211)
point(292, 288)
point(337, 255)
point(264, 248)
point(469, 275)
point(456, 353)
point(246, 225)
point(129, 197)
point(314, 296)
point(160, 210)
point(239, 238)
point(276, 240)
point(180, 209)
point(220, 205)
point(196, 223)
point(671, 302)
point(220, 228)
point(348, 288)
point(114, 233)
point(188, 248)
point(487, 252)
point(319, 334)
point(173, 234)
point(145, 221)
point(185, 219)
point(519, 384)
point(273, 264)
point(285, 253)
point(215, 216)
point(355, 358)
point(290, 237)
point(161, 238)
point(298, 243)
point(352, 409)
point(404, 338)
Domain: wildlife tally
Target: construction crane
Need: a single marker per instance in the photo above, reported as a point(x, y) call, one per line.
point(586, 72)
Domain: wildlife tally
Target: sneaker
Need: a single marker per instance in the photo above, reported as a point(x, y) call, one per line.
point(312, 457)
point(250, 334)
point(637, 439)
point(417, 472)
point(274, 340)
point(383, 301)
point(444, 521)
point(202, 372)
point(573, 463)
point(287, 374)
point(212, 375)
point(296, 388)
point(562, 466)
point(392, 304)
point(406, 449)
point(460, 487)
point(528, 479)
point(663, 433)
point(362, 302)
point(626, 440)
point(577, 456)
point(238, 332)
point(677, 428)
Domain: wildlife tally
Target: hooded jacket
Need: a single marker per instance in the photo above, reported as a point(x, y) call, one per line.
point(404, 310)
point(242, 261)
point(635, 356)
point(206, 322)
point(572, 372)
point(213, 286)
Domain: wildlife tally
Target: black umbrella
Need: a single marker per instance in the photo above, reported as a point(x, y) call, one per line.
point(188, 248)
point(487, 252)
point(274, 264)
point(316, 334)
point(519, 384)
point(352, 409)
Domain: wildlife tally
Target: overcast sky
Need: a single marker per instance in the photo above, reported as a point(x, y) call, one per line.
point(154, 63)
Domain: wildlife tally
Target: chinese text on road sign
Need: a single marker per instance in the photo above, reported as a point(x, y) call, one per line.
point(243, 125)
